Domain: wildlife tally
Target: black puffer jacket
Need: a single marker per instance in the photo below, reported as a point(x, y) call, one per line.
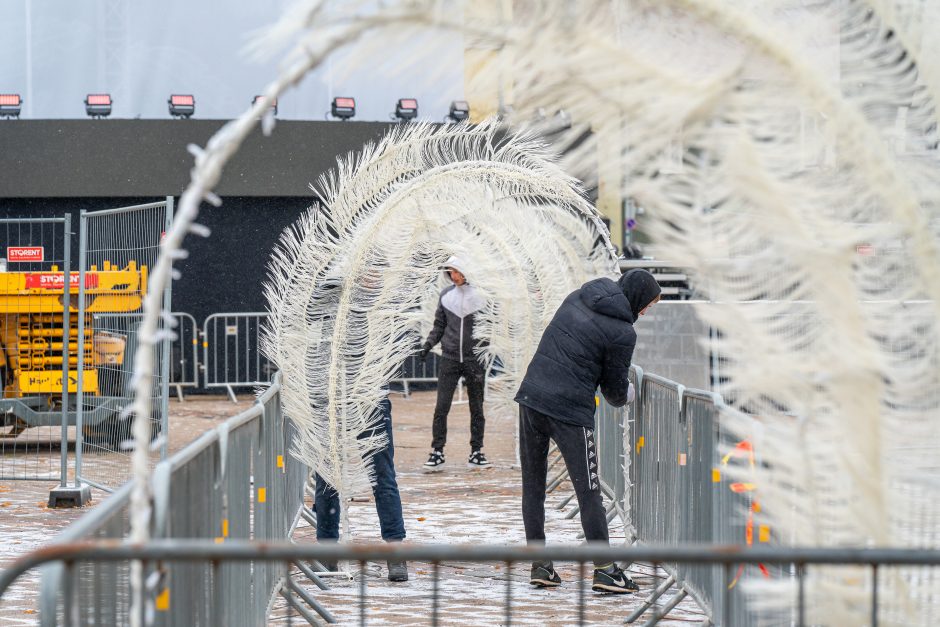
point(589, 343)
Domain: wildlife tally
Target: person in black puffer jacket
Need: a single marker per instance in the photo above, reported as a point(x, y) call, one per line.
point(588, 344)
point(453, 328)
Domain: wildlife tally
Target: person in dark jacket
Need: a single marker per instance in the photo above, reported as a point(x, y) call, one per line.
point(588, 344)
point(453, 328)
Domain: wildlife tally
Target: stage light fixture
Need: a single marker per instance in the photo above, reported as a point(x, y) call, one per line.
point(182, 105)
point(255, 100)
point(10, 105)
point(343, 108)
point(406, 109)
point(459, 111)
point(98, 105)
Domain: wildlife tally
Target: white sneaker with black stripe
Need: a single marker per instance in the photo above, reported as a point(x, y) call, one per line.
point(435, 461)
point(478, 461)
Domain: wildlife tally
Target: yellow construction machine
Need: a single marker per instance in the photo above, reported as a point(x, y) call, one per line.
point(32, 334)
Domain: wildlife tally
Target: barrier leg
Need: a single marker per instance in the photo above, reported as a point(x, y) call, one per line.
point(556, 481)
point(231, 393)
point(658, 592)
point(297, 605)
point(662, 612)
point(565, 502)
point(312, 576)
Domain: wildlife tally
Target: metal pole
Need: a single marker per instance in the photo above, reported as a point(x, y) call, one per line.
point(79, 392)
point(165, 366)
point(66, 276)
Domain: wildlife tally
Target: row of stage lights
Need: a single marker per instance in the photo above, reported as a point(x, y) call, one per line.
point(184, 105)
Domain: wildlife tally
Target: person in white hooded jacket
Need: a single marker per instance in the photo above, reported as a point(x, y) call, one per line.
point(453, 328)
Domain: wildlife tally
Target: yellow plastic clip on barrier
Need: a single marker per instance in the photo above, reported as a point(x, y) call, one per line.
point(262, 495)
point(641, 441)
point(763, 533)
point(716, 475)
point(280, 461)
point(225, 527)
point(205, 344)
point(682, 459)
point(163, 600)
point(597, 401)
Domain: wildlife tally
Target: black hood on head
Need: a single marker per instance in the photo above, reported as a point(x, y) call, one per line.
point(640, 288)
point(605, 297)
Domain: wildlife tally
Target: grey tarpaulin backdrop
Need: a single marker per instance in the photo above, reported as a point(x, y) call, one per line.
point(55, 53)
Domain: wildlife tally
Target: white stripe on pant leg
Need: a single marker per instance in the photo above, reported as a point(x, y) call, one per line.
point(587, 460)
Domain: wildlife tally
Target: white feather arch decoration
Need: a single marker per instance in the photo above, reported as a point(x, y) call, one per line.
point(347, 282)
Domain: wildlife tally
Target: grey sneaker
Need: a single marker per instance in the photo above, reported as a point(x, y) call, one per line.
point(398, 571)
point(435, 461)
point(611, 578)
point(543, 575)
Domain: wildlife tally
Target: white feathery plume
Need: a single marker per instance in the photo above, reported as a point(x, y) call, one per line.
point(347, 284)
point(764, 176)
point(773, 146)
point(786, 178)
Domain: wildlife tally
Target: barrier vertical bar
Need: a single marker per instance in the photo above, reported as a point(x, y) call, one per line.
point(66, 314)
point(165, 366)
point(80, 390)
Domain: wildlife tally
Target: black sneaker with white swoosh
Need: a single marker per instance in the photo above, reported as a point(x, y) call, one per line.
point(611, 578)
point(543, 575)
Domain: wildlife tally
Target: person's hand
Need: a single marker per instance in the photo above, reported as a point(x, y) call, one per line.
point(631, 392)
point(425, 349)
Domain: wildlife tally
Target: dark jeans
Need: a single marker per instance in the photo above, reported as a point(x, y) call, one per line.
point(385, 491)
point(451, 371)
point(577, 447)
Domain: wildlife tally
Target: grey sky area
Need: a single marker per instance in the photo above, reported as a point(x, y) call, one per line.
point(57, 51)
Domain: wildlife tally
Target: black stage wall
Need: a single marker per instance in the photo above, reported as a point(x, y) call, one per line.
point(50, 167)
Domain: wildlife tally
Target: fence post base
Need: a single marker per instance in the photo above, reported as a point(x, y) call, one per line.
point(69, 496)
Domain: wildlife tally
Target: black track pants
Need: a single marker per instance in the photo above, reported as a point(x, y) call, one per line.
point(576, 444)
point(450, 372)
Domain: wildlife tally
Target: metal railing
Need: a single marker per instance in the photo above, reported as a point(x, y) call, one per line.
point(184, 351)
point(117, 249)
point(417, 370)
point(236, 481)
point(35, 339)
point(222, 599)
point(232, 352)
point(661, 471)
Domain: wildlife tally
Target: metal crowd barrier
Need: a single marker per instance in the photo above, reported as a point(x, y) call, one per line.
point(663, 474)
point(184, 370)
point(117, 250)
point(232, 352)
point(417, 370)
point(236, 481)
point(227, 601)
point(36, 359)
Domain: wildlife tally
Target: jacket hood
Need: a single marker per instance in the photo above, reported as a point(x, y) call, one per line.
point(457, 264)
point(640, 288)
point(605, 297)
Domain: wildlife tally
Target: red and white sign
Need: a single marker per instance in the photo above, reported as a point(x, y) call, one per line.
point(25, 253)
point(55, 281)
